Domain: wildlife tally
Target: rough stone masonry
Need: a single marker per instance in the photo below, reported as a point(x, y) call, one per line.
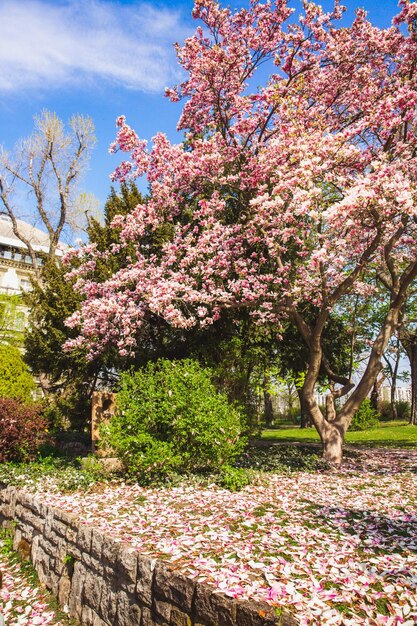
point(104, 582)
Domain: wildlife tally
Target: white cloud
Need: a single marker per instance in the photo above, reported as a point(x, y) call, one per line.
point(44, 44)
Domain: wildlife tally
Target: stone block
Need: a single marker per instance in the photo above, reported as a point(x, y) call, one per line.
point(97, 621)
point(146, 618)
point(84, 537)
point(134, 615)
point(73, 551)
point(87, 616)
point(77, 589)
point(96, 544)
point(178, 618)
point(261, 614)
point(122, 611)
point(174, 587)
point(66, 518)
point(126, 567)
point(71, 535)
point(92, 564)
point(128, 611)
point(92, 590)
point(161, 611)
point(109, 549)
point(108, 604)
point(29, 518)
point(59, 528)
point(64, 589)
point(145, 569)
point(213, 608)
point(17, 537)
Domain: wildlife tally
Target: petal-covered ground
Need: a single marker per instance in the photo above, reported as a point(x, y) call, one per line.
point(335, 548)
point(22, 602)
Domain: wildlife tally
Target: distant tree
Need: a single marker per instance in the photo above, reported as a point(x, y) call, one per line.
point(47, 166)
point(407, 335)
point(12, 319)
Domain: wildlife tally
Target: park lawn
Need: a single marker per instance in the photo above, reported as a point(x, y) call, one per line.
point(389, 434)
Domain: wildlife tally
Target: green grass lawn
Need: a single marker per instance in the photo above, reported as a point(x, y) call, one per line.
point(395, 434)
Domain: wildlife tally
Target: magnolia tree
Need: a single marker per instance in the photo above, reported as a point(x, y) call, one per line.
point(283, 198)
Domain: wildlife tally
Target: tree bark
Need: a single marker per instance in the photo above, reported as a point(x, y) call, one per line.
point(332, 442)
point(376, 390)
point(304, 416)
point(408, 340)
point(412, 355)
point(268, 408)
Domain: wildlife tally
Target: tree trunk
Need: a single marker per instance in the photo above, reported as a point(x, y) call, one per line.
point(394, 382)
point(376, 390)
point(332, 440)
point(412, 355)
point(331, 433)
point(304, 416)
point(268, 408)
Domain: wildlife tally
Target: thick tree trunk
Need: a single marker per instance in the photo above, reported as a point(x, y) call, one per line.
point(331, 433)
point(332, 440)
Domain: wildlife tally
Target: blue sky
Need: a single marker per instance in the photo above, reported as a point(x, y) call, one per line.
point(102, 58)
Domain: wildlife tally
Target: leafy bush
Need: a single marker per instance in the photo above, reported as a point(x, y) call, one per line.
point(22, 429)
point(70, 409)
point(171, 418)
point(234, 478)
point(15, 379)
point(385, 410)
point(403, 409)
point(365, 417)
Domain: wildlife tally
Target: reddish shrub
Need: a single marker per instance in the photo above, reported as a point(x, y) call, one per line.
point(22, 430)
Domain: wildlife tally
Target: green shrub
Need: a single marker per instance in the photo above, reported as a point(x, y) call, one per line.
point(386, 413)
point(68, 410)
point(234, 478)
point(365, 417)
point(171, 418)
point(15, 379)
point(385, 410)
point(403, 409)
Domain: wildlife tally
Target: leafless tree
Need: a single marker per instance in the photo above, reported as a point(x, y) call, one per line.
point(47, 166)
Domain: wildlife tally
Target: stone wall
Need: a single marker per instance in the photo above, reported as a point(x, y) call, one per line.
point(107, 583)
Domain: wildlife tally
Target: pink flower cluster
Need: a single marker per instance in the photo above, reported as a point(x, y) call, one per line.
point(281, 195)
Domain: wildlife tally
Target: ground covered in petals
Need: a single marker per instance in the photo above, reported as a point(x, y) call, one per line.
point(23, 602)
point(333, 547)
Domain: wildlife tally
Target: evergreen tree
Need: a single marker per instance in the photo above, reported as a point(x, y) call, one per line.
point(69, 378)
